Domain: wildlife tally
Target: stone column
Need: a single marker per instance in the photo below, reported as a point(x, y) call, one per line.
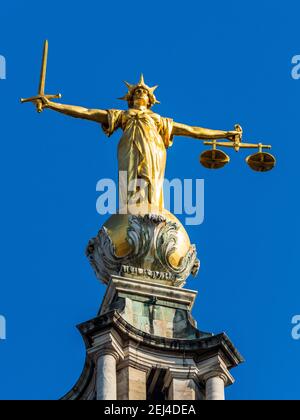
point(107, 376)
point(215, 376)
point(215, 387)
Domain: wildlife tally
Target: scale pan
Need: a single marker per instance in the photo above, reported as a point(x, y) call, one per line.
point(214, 159)
point(261, 161)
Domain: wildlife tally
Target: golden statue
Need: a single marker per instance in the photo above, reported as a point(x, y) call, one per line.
point(146, 136)
point(153, 244)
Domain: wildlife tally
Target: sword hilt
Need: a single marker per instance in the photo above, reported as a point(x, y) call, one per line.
point(39, 103)
point(36, 98)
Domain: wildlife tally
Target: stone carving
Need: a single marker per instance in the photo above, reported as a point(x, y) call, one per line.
point(165, 246)
point(127, 269)
point(152, 239)
point(101, 253)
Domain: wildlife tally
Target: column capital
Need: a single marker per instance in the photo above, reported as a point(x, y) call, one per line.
point(218, 373)
point(135, 364)
point(106, 343)
point(214, 367)
point(182, 384)
point(189, 372)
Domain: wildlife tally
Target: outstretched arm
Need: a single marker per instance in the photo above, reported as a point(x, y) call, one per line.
point(202, 133)
point(96, 115)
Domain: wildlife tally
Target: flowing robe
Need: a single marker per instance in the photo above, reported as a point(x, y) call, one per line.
point(141, 154)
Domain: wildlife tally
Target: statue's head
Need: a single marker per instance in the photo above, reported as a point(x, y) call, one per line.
point(140, 94)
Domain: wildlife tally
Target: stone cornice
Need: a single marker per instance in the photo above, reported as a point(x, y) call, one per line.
point(206, 357)
point(202, 346)
point(129, 286)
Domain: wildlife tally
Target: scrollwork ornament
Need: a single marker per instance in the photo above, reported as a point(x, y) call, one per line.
point(150, 237)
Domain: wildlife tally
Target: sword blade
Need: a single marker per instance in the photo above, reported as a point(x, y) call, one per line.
point(43, 70)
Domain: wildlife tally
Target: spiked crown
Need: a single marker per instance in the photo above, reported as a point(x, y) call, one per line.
point(131, 89)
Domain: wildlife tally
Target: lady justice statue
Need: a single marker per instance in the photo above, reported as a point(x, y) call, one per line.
point(145, 240)
point(146, 136)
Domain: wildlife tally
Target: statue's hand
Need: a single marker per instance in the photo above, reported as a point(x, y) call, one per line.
point(231, 135)
point(45, 101)
point(41, 102)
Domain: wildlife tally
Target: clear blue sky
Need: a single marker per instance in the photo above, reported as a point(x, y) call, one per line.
point(217, 63)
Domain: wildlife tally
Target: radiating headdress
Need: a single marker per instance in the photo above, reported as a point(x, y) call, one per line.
point(131, 88)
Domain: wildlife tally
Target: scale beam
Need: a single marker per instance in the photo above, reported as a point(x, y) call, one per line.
point(234, 145)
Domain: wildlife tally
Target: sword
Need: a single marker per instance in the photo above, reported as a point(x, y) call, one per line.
point(41, 91)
